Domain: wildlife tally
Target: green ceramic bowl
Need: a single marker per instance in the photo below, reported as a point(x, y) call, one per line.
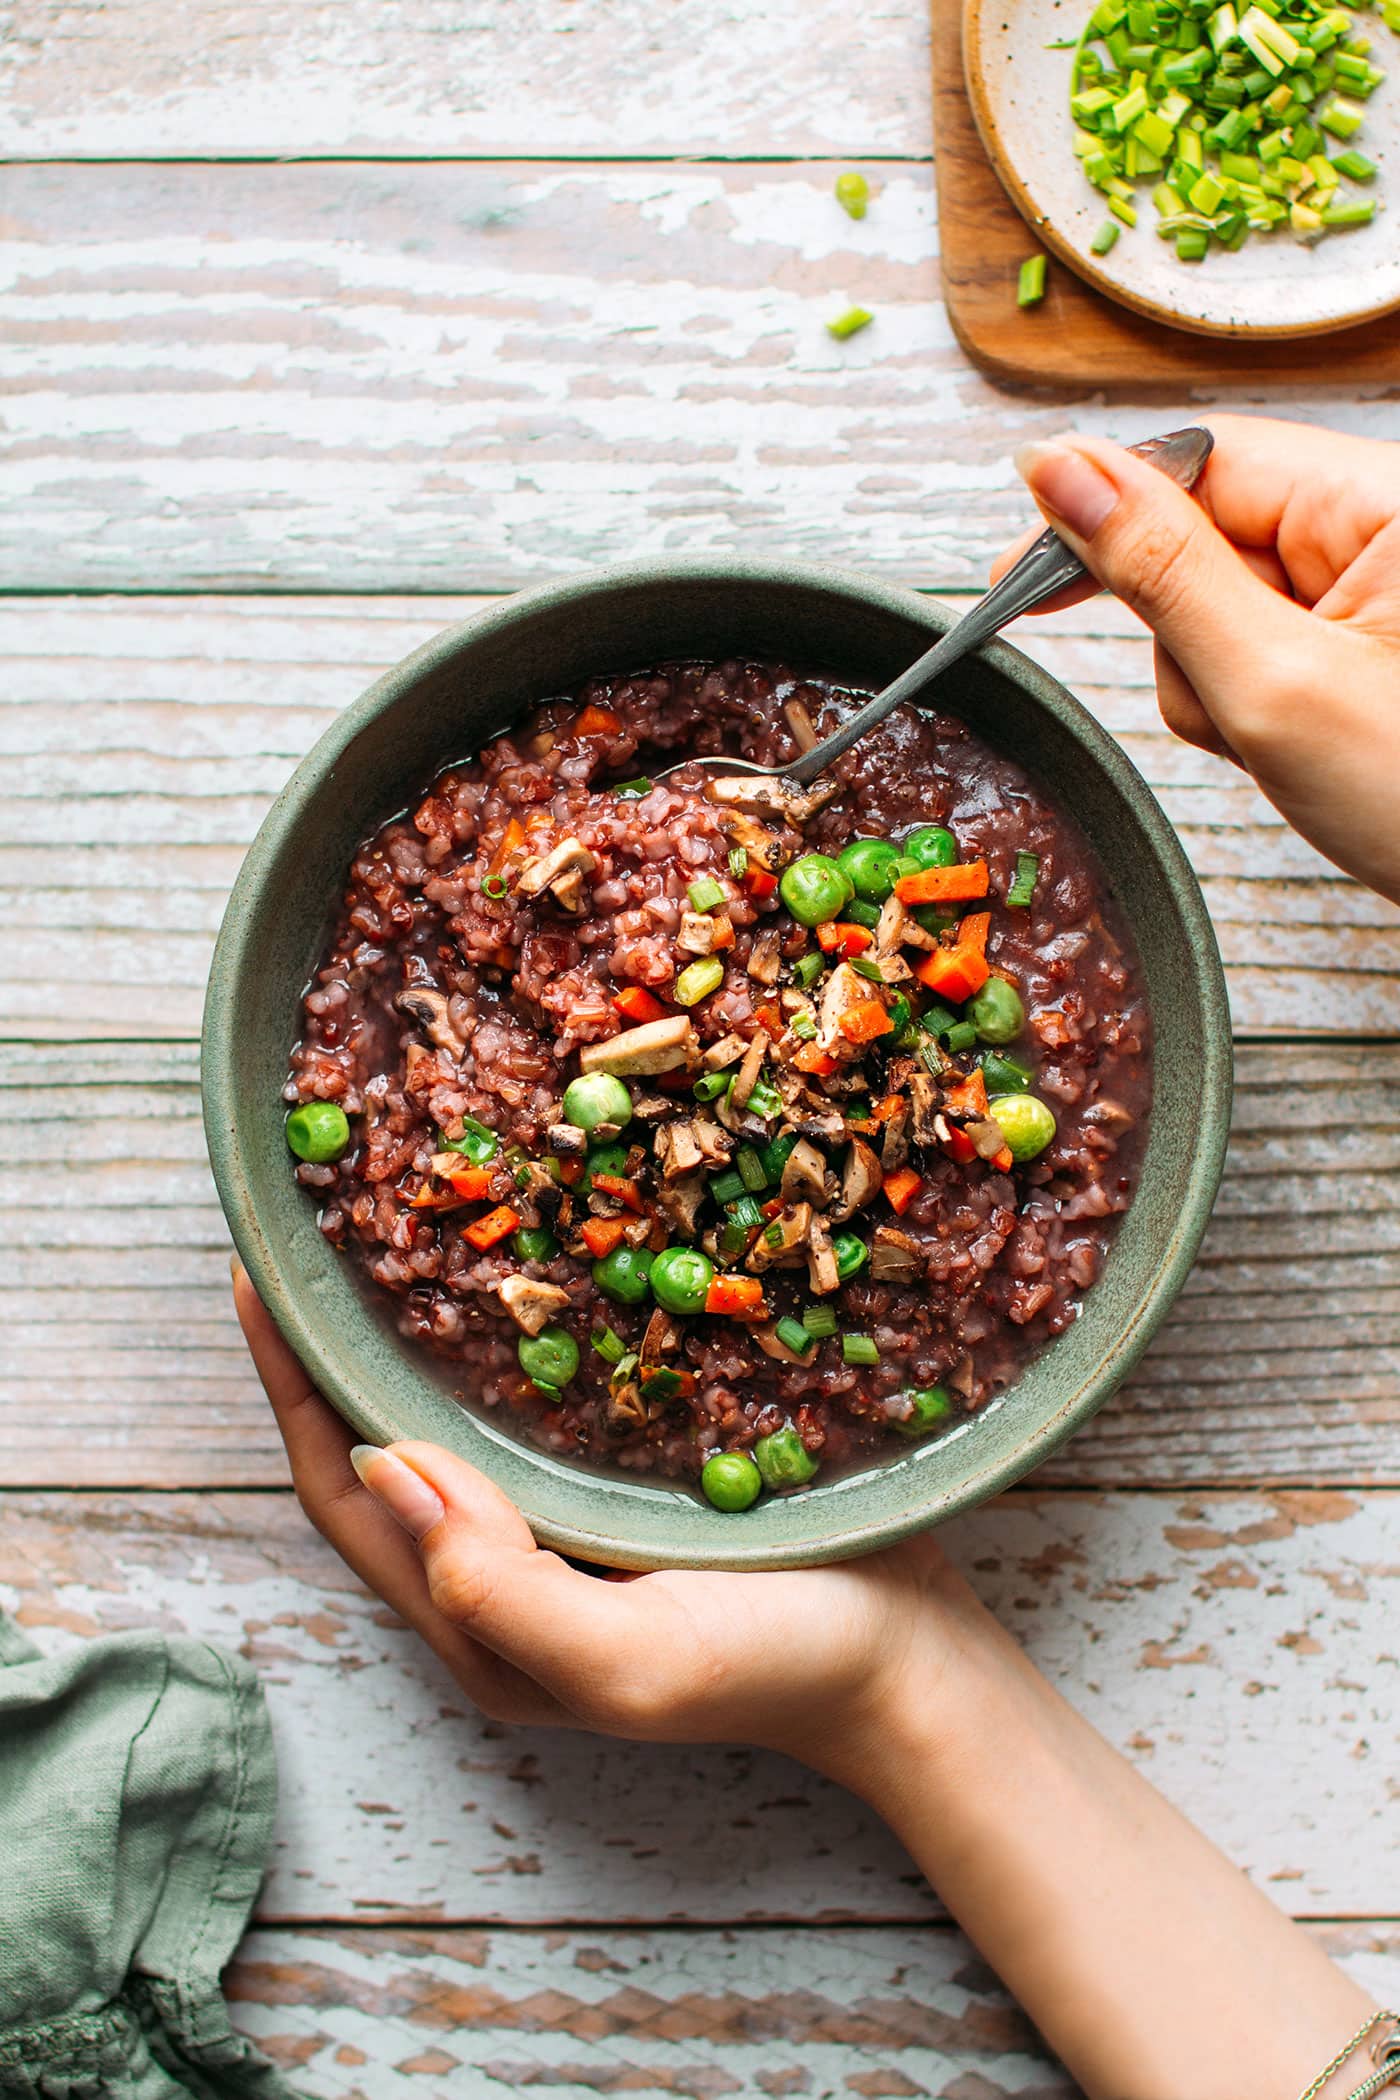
point(451, 697)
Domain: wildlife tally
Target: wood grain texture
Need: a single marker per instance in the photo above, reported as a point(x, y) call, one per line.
point(488, 78)
point(1240, 1647)
point(1280, 1362)
point(429, 377)
point(1078, 337)
point(378, 2015)
point(142, 741)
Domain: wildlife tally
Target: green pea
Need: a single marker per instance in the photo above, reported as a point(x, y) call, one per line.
point(597, 1097)
point(996, 1012)
point(815, 888)
point(603, 1159)
point(681, 1278)
point(551, 1356)
point(731, 1480)
point(318, 1131)
point(623, 1274)
point(931, 847)
point(929, 1405)
point(1003, 1075)
point(870, 866)
point(851, 1254)
point(1024, 1121)
point(535, 1243)
point(783, 1459)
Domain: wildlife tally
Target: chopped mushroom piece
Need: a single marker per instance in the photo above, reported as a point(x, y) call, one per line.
point(923, 1103)
point(794, 1225)
point(541, 1185)
point(772, 795)
point(429, 1010)
point(697, 934)
point(566, 1137)
point(657, 1046)
point(845, 989)
point(647, 1107)
point(961, 1378)
point(662, 1337)
point(862, 1179)
point(747, 1077)
point(624, 1410)
point(890, 930)
point(677, 1150)
point(716, 1145)
point(537, 875)
point(530, 1304)
point(894, 1146)
point(567, 891)
point(804, 733)
point(804, 1174)
point(986, 1135)
point(822, 1272)
point(756, 841)
point(727, 1051)
point(681, 1201)
point(766, 958)
point(1110, 1114)
point(894, 1257)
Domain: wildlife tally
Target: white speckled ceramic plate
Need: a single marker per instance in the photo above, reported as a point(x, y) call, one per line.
point(1272, 286)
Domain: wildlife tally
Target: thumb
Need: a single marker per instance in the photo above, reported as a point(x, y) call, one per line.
point(1154, 547)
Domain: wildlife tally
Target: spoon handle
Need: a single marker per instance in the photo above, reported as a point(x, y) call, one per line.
point(1046, 567)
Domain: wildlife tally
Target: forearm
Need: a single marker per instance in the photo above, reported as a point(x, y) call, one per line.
point(1149, 1963)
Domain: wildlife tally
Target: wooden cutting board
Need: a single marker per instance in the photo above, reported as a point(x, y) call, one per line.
point(1076, 338)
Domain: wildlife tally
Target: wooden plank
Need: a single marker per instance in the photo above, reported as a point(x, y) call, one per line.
point(794, 77)
point(1241, 1647)
point(1280, 1363)
point(446, 377)
point(364, 2015)
point(142, 740)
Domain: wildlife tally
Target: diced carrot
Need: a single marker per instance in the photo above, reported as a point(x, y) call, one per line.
point(973, 930)
point(771, 1208)
point(758, 882)
point(944, 885)
point(677, 1082)
point(839, 937)
point(503, 957)
point(600, 721)
point(619, 1185)
point(571, 1171)
point(723, 935)
point(811, 1059)
point(959, 1146)
point(884, 1110)
point(901, 1187)
point(635, 1003)
point(472, 1183)
point(741, 1297)
point(498, 1224)
point(429, 1199)
point(1004, 1160)
point(968, 1098)
point(772, 1021)
point(511, 841)
point(954, 973)
point(861, 1024)
point(601, 1235)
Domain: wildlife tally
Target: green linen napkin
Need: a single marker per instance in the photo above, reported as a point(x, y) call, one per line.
point(137, 1786)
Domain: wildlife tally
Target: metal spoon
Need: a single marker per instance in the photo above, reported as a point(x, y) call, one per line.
point(1045, 568)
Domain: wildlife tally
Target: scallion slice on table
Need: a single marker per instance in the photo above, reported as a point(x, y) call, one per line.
point(849, 323)
point(1030, 282)
point(1226, 109)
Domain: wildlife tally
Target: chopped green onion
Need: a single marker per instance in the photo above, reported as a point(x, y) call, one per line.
point(804, 1028)
point(1105, 237)
point(478, 1143)
point(660, 1382)
point(494, 886)
point(1022, 887)
point(820, 1320)
point(764, 1101)
point(1358, 213)
point(640, 786)
point(849, 323)
point(698, 979)
point(793, 1335)
point(901, 1013)
point(746, 1213)
point(774, 1234)
point(705, 895)
point(710, 1086)
point(727, 1187)
point(858, 913)
point(1030, 280)
point(808, 968)
point(961, 1036)
point(852, 193)
point(863, 967)
point(858, 1349)
point(1355, 166)
point(733, 1238)
point(738, 861)
point(610, 1346)
point(775, 1154)
point(751, 1169)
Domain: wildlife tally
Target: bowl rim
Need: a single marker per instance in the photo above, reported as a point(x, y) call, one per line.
point(928, 1506)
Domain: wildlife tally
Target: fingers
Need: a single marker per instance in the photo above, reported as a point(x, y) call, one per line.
point(1159, 552)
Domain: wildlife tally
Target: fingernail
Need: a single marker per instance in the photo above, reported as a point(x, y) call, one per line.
point(404, 1493)
point(1070, 486)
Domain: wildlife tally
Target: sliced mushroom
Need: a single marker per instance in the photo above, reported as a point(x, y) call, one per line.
point(804, 1174)
point(923, 1104)
point(862, 1178)
point(1110, 1115)
point(986, 1135)
point(429, 1011)
point(894, 1257)
point(681, 1201)
point(773, 796)
point(747, 1077)
point(567, 1138)
point(845, 989)
point(530, 1304)
point(677, 1150)
point(567, 891)
point(657, 1046)
point(716, 1145)
point(822, 1272)
point(804, 733)
point(766, 956)
point(537, 875)
point(540, 1185)
point(767, 1339)
point(647, 1107)
point(894, 1146)
point(697, 934)
point(624, 1410)
point(890, 930)
point(793, 1228)
point(961, 1377)
point(756, 840)
point(727, 1051)
point(662, 1337)
point(637, 1231)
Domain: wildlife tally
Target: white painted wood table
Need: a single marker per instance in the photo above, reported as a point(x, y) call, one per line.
point(321, 322)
